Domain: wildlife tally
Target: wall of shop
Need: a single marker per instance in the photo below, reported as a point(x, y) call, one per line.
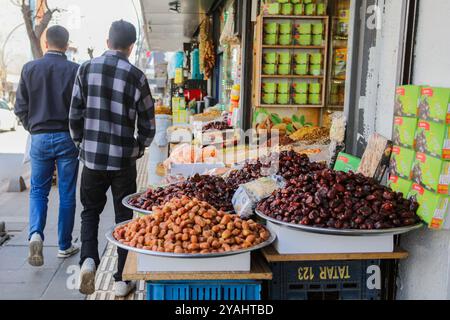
point(426, 274)
point(377, 63)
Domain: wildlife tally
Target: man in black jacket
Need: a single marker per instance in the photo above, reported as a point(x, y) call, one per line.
point(111, 99)
point(42, 104)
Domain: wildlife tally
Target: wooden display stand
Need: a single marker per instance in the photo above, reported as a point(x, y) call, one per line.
point(259, 271)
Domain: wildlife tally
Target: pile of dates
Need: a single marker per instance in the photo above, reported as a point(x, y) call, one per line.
point(190, 226)
point(291, 165)
point(338, 200)
point(213, 189)
point(217, 125)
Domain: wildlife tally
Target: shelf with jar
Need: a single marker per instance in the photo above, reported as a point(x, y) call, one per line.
point(294, 8)
point(290, 62)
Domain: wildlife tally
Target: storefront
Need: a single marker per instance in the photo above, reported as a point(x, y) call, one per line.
point(299, 68)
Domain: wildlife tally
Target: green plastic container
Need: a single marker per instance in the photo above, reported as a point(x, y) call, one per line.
point(285, 28)
point(301, 69)
point(305, 40)
point(283, 98)
point(300, 98)
point(271, 27)
point(273, 8)
point(321, 9)
point(269, 68)
point(301, 58)
point(269, 87)
point(311, 9)
point(285, 39)
point(284, 69)
point(317, 40)
point(315, 88)
point(299, 9)
point(300, 87)
point(284, 57)
point(270, 39)
point(269, 98)
point(270, 57)
point(315, 69)
point(304, 28)
point(287, 9)
point(317, 28)
point(314, 99)
point(283, 87)
point(315, 58)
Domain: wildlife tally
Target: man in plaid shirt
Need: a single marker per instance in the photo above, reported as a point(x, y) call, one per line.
point(110, 95)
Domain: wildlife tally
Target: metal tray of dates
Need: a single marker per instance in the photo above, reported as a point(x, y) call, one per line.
point(341, 232)
point(110, 237)
point(126, 204)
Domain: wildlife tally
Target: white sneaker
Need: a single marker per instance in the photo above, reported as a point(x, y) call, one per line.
point(124, 288)
point(69, 252)
point(87, 276)
point(36, 258)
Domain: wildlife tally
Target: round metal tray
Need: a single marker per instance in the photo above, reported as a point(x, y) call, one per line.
point(338, 232)
point(110, 237)
point(142, 211)
point(129, 206)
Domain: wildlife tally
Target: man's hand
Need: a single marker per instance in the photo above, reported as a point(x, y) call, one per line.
point(141, 153)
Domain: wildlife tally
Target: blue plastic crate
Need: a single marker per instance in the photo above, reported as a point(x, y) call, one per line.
point(203, 290)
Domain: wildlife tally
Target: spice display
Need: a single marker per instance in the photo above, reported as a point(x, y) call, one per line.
point(184, 225)
point(339, 200)
point(311, 134)
point(209, 115)
point(163, 110)
point(213, 189)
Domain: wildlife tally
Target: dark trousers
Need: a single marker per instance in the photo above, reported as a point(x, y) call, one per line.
point(94, 185)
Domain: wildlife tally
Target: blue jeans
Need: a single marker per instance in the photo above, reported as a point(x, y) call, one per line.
point(48, 150)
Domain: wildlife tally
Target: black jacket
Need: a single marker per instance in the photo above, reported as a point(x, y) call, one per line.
point(44, 93)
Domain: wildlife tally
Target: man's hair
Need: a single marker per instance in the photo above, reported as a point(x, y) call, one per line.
point(122, 35)
point(58, 37)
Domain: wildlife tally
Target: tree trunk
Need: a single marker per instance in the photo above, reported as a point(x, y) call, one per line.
point(35, 32)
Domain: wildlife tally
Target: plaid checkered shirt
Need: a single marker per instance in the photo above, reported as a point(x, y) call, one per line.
point(108, 96)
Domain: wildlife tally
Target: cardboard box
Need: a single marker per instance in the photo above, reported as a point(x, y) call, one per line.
point(405, 131)
point(239, 262)
point(407, 101)
point(435, 104)
point(402, 161)
point(290, 241)
point(433, 207)
point(433, 138)
point(432, 173)
point(346, 163)
point(400, 185)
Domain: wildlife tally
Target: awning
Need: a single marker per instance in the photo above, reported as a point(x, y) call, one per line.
point(166, 29)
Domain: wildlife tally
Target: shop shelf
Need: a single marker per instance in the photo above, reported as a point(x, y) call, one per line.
point(204, 290)
point(325, 280)
point(312, 106)
point(266, 46)
point(293, 17)
point(291, 76)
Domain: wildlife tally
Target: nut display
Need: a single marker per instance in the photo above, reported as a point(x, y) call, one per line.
point(338, 200)
point(184, 225)
point(213, 189)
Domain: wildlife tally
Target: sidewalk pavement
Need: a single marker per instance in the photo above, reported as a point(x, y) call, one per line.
point(53, 281)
